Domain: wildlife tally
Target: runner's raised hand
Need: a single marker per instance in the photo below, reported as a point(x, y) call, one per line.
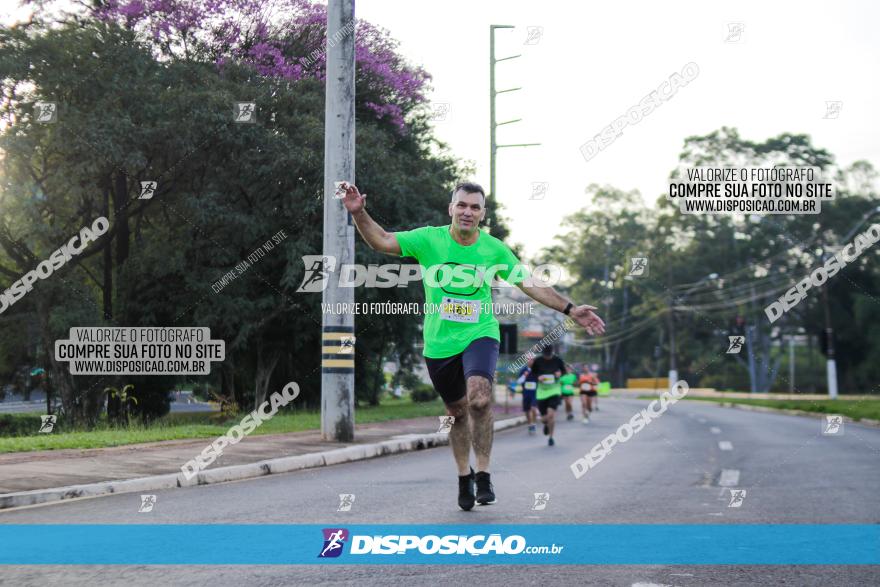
point(353, 200)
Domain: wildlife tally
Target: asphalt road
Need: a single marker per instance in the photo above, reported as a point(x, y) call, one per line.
point(667, 474)
point(21, 407)
point(40, 407)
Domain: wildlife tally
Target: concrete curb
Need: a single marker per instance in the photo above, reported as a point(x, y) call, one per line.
point(238, 472)
point(815, 415)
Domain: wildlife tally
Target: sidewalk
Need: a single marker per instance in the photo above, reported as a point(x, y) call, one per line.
point(41, 474)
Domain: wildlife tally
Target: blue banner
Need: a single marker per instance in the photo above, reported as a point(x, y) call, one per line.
point(650, 544)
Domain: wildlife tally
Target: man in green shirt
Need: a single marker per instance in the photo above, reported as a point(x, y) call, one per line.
point(567, 382)
point(460, 332)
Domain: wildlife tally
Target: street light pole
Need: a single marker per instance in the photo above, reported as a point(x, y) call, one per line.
point(673, 372)
point(337, 336)
point(494, 146)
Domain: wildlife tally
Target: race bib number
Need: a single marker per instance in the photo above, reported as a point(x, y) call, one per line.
point(531, 385)
point(547, 379)
point(586, 387)
point(457, 310)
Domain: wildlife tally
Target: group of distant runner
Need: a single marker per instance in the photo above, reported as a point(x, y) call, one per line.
point(546, 381)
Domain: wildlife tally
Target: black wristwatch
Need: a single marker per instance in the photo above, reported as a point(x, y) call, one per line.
point(568, 308)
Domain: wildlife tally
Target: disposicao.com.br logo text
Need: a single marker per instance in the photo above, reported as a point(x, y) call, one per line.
point(476, 545)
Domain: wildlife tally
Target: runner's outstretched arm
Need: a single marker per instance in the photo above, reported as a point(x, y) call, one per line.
point(372, 233)
point(551, 298)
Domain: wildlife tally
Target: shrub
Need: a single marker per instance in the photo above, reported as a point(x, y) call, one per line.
point(153, 395)
point(406, 379)
point(24, 425)
point(423, 392)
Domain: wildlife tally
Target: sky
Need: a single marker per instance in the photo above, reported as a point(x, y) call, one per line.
point(594, 61)
point(590, 62)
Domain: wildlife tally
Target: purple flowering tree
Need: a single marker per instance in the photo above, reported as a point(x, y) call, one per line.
point(285, 39)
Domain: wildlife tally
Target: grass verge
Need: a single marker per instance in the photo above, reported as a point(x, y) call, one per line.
point(189, 425)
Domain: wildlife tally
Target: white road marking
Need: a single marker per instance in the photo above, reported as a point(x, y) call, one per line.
point(725, 445)
point(707, 479)
point(729, 478)
point(715, 430)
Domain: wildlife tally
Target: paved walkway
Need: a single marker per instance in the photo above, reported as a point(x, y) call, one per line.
point(59, 468)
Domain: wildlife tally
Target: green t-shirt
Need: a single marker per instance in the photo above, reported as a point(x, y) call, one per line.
point(568, 380)
point(547, 390)
point(457, 281)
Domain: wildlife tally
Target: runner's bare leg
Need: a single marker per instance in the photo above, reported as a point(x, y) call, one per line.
point(460, 435)
point(479, 391)
point(550, 420)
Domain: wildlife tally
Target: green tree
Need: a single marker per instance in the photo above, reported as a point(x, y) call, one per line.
point(128, 113)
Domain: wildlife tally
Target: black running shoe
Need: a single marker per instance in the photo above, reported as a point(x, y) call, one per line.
point(466, 491)
point(485, 491)
point(551, 442)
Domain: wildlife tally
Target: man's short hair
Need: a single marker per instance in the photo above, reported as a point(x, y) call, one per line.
point(469, 188)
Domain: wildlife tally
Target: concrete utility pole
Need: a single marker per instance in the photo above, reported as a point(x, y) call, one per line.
point(830, 363)
point(492, 93)
point(673, 371)
point(337, 337)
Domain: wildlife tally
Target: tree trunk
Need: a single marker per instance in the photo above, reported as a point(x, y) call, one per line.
point(227, 378)
point(63, 384)
point(265, 368)
point(120, 202)
point(108, 260)
point(114, 409)
point(750, 345)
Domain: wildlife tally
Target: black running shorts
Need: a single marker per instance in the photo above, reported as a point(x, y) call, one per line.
point(590, 391)
point(551, 402)
point(449, 375)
